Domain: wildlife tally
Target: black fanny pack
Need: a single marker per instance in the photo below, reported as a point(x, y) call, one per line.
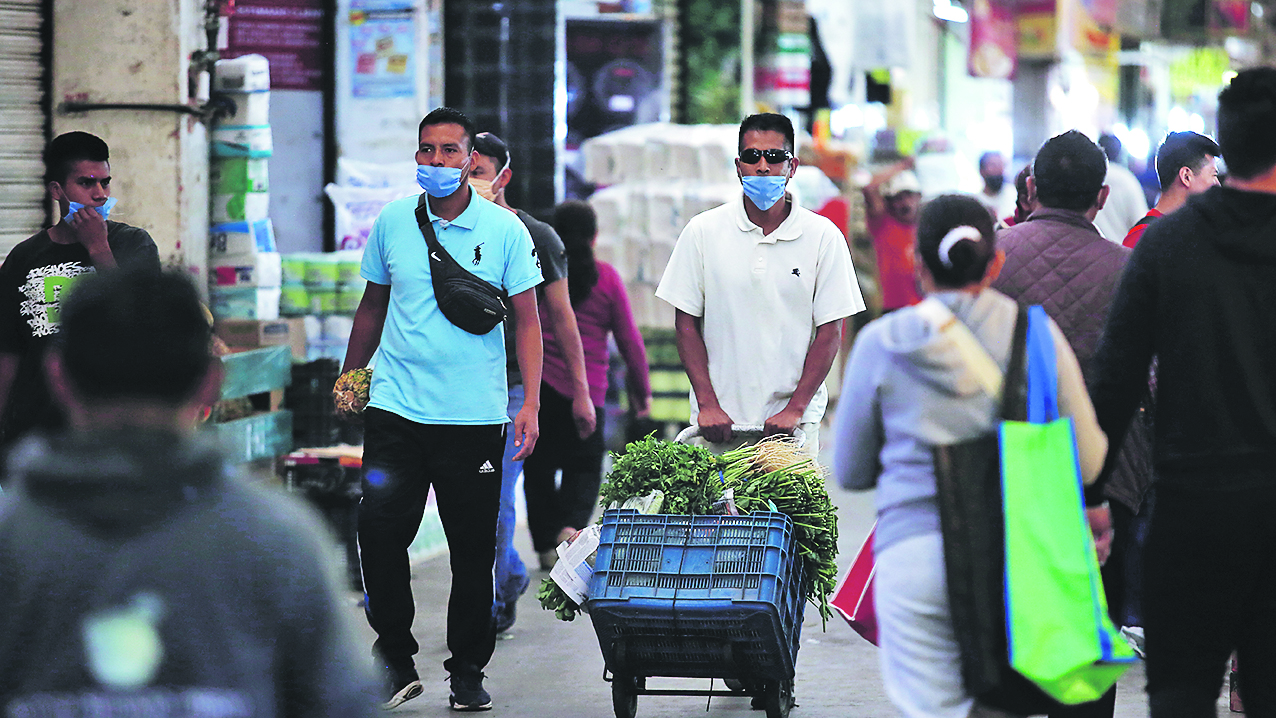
point(467, 301)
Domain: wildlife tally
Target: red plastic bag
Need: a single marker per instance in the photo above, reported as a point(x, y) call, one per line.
point(854, 596)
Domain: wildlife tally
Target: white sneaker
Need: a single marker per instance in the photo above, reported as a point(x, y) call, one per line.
point(1134, 636)
point(403, 695)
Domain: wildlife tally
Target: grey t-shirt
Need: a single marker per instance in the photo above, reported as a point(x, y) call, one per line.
point(551, 257)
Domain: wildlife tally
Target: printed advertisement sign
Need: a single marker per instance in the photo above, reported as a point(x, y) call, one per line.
point(382, 48)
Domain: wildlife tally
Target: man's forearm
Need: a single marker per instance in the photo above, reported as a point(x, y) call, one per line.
point(527, 345)
point(562, 319)
point(365, 335)
point(695, 358)
point(819, 361)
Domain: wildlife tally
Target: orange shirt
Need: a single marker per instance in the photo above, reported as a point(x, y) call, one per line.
point(893, 242)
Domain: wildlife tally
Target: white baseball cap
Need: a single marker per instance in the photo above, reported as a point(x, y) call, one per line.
point(905, 181)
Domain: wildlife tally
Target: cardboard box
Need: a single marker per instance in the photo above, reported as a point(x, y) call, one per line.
point(247, 73)
point(259, 269)
point(232, 175)
point(242, 141)
point(251, 108)
point(237, 239)
point(242, 207)
point(244, 302)
point(257, 333)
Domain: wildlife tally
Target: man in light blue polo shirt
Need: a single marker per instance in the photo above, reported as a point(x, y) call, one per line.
point(437, 414)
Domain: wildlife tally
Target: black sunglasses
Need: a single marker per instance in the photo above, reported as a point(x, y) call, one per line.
point(751, 156)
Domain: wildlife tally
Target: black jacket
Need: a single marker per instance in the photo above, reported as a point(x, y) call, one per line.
point(137, 569)
point(1200, 293)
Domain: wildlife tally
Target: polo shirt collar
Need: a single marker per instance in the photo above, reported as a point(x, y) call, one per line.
point(788, 229)
point(467, 219)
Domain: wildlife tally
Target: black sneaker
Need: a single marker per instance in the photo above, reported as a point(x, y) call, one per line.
point(468, 693)
point(402, 687)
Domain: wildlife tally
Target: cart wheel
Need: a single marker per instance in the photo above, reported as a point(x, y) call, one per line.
point(624, 695)
point(735, 684)
point(779, 699)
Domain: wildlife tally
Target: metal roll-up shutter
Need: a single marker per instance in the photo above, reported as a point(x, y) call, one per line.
point(23, 120)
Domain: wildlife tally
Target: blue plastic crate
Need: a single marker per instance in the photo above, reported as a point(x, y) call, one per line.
point(697, 596)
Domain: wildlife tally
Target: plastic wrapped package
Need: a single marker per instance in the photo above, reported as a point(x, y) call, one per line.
point(634, 254)
point(666, 214)
point(718, 148)
point(356, 208)
point(612, 206)
point(658, 254)
point(357, 173)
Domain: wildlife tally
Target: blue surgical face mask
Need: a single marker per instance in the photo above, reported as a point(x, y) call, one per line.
point(104, 210)
point(439, 181)
point(764, 191)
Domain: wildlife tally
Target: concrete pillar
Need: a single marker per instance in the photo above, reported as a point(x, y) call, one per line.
point(137, 51)
point(1031, 107)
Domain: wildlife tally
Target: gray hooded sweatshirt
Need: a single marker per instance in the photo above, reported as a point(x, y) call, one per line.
point(908, 388)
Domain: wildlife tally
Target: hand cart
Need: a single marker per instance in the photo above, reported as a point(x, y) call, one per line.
point(698, 597)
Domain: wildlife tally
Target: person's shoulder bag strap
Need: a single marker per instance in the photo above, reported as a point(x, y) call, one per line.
point(977, 358)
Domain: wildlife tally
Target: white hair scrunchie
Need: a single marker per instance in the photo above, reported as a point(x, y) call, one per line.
point(955, 235)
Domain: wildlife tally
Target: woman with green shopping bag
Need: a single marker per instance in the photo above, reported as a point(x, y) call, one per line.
point(931, 376)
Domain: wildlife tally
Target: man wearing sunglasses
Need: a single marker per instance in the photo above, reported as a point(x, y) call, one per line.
point(760, 286)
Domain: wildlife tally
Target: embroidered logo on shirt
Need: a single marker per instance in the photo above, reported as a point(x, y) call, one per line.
point(536, 257)
point(43, 293)
point(486, 468)
point(478, 253)
point(796, 273)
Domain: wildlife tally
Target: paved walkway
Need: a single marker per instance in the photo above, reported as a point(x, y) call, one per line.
point(550, 669)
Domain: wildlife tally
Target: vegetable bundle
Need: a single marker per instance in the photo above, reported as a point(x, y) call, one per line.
point(773, 474)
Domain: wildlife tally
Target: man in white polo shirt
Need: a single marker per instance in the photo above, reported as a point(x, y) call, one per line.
point(760, 287)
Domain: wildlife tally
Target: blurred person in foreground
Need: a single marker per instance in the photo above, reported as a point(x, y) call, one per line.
point(489, 178)
point(1199, 293)
point(759, 287)
point(139, 572)
point(892, 199)
point(1058, 259)
point(1186, 165)
point(42, 267)
point(1126, 202)
point(907, 389)
point(602, 308)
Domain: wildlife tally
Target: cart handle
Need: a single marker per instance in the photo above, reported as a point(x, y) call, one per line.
point(754, 430)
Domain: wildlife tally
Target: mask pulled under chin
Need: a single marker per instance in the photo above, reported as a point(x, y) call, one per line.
point(438, 181)
point(764, 191)
point(104, 210)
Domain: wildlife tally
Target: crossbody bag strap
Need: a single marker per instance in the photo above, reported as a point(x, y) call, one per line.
point(437, 252)
point(1014, 400)
point(978, 360)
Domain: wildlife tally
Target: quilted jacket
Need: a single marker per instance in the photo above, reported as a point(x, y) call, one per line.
point(1059, 260)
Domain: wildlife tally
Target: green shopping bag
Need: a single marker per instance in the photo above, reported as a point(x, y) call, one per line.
point(1058, 630)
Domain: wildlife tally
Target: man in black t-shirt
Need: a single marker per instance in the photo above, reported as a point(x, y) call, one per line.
point(490, 176)
point(40, 269)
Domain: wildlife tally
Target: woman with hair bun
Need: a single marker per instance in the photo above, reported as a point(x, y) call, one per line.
point(908, 388)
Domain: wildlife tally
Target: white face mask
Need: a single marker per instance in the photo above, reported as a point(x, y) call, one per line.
point(484, 187)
